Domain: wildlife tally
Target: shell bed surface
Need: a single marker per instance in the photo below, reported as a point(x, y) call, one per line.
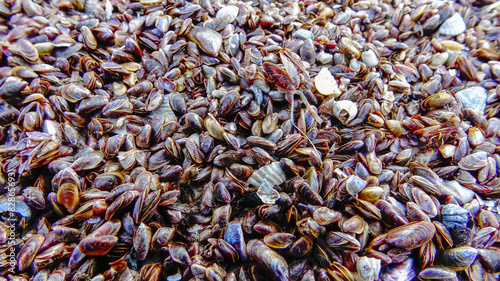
point(249, 140)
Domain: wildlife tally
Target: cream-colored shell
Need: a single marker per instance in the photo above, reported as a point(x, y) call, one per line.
point(326, 84)
point(345, 111)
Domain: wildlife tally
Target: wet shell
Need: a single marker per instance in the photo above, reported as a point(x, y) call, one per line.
point(279, 240)
point(28, 252)
point(459, 258)
point(68, 195)
point(453, 26)
point(437, 273)
point(267, 193)
point(270, 261)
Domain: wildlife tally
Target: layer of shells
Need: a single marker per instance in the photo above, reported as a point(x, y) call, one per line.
point(258, 140)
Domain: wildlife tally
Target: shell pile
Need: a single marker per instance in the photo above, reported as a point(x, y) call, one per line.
point(249, 140)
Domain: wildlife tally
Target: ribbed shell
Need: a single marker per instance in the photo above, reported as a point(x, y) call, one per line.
point(453, 26)
point(272, 173)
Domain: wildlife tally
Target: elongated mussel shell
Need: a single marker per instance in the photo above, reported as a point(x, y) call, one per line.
point(268, 260)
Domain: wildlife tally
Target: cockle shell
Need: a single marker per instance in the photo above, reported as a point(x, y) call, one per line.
point(272, 173)
point(453, 26)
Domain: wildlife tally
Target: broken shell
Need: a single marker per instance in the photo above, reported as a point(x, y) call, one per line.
point(368, 268)
point(326, 84)
point(267, 193)
point(345, 111)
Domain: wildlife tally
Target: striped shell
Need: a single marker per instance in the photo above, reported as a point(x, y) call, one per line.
point(453, 26)
point(272, 173)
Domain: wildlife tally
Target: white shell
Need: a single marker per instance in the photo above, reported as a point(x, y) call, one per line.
point(267, 193)
point(368, 268)
point(324, 58)
point(461, 193)
point(228, 13)
point(345, 111)
point(325, 83)
point(453, 26)
point(272, 173)
point(369, 58)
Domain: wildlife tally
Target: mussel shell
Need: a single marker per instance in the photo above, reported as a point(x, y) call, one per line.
point(207, 39)
point(458, 258)
point(97, 246)
point(462, 236)
point(412, 235)
point(474, 162)
point(437, 273)
point(268, 260)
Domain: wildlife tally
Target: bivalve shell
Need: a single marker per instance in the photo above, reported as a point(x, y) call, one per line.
point(272, 173)
point(453, 26)
point(228, 13)
point(207, 39)
point(474, 162)
point(345, 111)
point(370, 58)
point(326, 84)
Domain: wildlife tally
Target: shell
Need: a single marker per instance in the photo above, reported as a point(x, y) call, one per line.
point(345, 111)
point(228, 13)
point(272, 173)
point(207, 39)
point(368, 268)
point(453, 26)
point(326, 84)
point(267, 193)
point(370, 58)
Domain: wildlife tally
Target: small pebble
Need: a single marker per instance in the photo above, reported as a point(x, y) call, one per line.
point(267, 193)
point(474, 97)
point(453, 26)
point(229, 13)
point(325, 83)
point(370, 58)
point(454, 216)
